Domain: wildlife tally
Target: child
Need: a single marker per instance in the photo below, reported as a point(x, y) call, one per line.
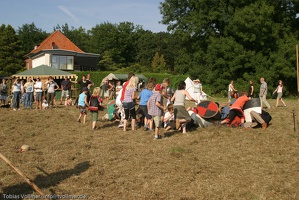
point(82, 104)
point(155, 108)
point(68, 101)
point(45, 104)
point(116, 113)
point(94, 103)
point(169, 122)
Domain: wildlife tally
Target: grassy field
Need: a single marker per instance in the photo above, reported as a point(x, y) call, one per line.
point(68, 158)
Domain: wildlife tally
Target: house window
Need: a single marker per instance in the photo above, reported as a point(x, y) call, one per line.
point(70, 63)
point(63, 62)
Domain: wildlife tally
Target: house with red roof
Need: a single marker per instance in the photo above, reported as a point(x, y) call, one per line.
point(58, 52)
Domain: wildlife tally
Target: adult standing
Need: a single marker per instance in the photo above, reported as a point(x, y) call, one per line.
point(197, 90)
point(17, 92)
point(279, 93)
point(3, 92)
point(106, 87)
point(23, 93)
point(86, 83)
point(263, 93)
point(250, 89)
point(181, 114)
point(38, 87)
point(51, 88)
point(29, 89)
point(89, 82)
point(231, 91)
point(65, 89)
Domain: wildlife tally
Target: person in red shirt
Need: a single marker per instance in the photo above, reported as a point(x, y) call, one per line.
point(236, 109)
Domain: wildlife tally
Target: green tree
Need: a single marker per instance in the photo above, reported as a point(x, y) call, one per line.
point(11, 54)
point(78, 36)
point(236, 39)
point(119, 40)
point(145, 48)
point(30, 36)
point(106, 62)
point(158, 63)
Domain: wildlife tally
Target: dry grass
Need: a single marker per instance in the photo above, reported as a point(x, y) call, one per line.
point(213, 163)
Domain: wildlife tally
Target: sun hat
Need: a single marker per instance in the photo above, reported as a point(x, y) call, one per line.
point(196, 80)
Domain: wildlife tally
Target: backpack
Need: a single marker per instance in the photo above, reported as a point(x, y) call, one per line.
point(94, 103)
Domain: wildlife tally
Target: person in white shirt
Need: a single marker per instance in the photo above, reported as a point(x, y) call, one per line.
point(118, 87)
point(279, 93)
point(169, 122)
point(38, 88)
point(52, 87)
point(197, 90)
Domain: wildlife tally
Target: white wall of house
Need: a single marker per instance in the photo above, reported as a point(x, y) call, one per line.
point(41, 60)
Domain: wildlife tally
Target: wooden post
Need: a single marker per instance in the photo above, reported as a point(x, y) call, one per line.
point(297, 62)
point(23, 175)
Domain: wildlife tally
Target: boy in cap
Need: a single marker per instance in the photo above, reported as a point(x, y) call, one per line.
point(155, 108)
point(82, 104)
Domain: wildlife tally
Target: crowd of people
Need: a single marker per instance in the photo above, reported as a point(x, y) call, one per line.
point(236, 109)
point(153, 107)
point(156, 108)
point(44, 95)
point(233, 93)
point(150, 105)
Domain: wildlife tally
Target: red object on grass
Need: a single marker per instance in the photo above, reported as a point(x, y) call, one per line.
point(207, 109)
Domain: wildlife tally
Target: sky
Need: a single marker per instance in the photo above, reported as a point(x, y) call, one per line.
point(46, 14)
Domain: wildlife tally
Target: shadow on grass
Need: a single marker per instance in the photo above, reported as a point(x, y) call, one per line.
point(107, 123)
point(49, 180)
point(171, 133)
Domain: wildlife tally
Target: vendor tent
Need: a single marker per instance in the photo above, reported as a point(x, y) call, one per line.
point(123, 77)
point(190, 89)
point(43, 72)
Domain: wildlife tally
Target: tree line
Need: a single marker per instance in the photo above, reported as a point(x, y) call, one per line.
point(213, 40)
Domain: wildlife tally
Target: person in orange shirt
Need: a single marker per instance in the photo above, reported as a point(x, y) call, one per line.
point(236, 109)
